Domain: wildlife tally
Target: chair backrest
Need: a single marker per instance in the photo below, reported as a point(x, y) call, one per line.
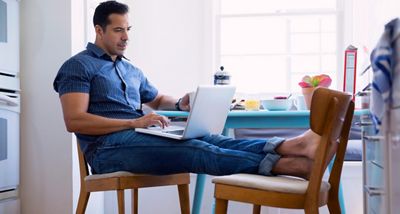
point(331, 115)
point(83, 166)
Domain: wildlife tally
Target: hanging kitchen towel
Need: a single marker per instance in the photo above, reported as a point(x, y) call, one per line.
point(395, 111)
point(396, 65)
point(384, 60)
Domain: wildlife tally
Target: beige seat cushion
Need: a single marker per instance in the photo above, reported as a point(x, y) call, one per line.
point(110, 175)
point(283, 184)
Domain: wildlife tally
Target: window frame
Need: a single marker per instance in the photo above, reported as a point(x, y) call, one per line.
point(338, 12)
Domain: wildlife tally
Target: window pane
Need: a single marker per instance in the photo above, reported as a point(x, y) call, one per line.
point(313, 23)
point(328, 24)
point(263, 6)
point(304, 64)
point(305, 43)
point(253, 74)
point(253, 35)
point(328, 42)
point(328, 63)
point(304, 24)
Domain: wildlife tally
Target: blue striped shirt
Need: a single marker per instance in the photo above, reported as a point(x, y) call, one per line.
point(116, 89)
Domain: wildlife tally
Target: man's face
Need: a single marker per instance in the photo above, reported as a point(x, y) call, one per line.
point(114, 39)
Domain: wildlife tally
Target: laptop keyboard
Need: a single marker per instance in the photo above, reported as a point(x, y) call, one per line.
point(172, 129)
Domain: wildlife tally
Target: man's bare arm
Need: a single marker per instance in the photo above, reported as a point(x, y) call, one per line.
point(77, 119)
point(165, 102)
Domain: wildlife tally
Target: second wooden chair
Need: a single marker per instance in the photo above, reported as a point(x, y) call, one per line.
point(330, 117)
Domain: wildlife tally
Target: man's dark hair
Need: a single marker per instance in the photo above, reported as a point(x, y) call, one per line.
point(105, 9)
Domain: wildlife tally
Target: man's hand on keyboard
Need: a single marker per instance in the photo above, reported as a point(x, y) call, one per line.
point(152, 119)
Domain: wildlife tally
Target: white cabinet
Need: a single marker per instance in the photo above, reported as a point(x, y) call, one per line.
point(9, 36)
point(373, 168)
point(381, 165)
point(11, 206)
point(393, 160)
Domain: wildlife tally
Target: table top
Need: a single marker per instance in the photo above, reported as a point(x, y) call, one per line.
point(263, 118)
point(243, 113)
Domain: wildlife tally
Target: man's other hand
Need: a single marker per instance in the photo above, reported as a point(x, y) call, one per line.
point(185, 102)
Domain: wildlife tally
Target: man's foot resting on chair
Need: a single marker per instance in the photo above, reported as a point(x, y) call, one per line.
point(294, 166)
point(303, 145)
point(298, 154)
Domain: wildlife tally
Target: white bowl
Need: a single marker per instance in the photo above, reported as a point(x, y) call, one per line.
point(276, 104)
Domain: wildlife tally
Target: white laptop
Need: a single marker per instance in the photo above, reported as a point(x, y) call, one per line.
point(207, 115)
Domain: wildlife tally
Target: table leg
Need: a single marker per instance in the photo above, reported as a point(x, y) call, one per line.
point(199, 189)
point(341, 199)
point(225, 132)
point(198, 193)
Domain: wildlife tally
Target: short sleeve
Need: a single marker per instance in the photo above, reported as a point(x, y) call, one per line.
point(147, 91)
point(72, 77)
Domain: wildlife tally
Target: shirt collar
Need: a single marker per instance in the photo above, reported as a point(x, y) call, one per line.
point(100, 52)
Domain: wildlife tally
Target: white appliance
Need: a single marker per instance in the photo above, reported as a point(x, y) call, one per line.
point(9, 106)
point(9, 36)
point(9, 132)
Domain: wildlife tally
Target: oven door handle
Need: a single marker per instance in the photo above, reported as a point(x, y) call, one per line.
point(7, 100)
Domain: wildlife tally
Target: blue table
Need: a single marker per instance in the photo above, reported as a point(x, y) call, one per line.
point(255, 119)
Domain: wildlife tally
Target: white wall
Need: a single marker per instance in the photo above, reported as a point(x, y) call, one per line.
point(364, 26)
point(369, 18)
point(168, 42)
point(46, 155)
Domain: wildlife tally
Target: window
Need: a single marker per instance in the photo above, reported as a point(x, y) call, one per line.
point(268, 46)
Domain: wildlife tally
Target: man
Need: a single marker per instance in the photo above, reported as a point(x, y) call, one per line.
point(101, 95)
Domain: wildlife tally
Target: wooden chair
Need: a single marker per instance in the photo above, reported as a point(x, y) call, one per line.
point(330, 117)
point(120, 181)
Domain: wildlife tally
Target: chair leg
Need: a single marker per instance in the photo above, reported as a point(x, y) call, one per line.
point(82, 202)
point(135, 200)
point(121, 201)
point(256, 209)
point(221, 206)
point(334, 207)
point(311, 210)
point(184, 200)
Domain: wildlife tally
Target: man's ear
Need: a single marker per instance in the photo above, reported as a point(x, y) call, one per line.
point(99, 30)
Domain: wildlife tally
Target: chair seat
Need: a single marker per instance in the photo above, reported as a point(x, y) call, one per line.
point(111, 175)
point(284, 184)
point(128, 180)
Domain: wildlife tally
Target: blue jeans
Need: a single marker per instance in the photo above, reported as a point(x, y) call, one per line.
point(214, 154)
